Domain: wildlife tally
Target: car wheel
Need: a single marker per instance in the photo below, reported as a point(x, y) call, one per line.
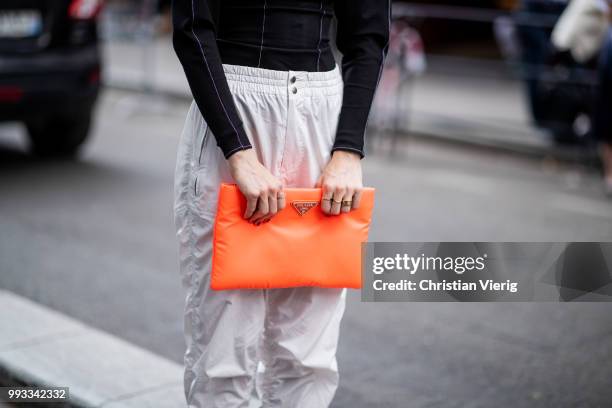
point(58, 136)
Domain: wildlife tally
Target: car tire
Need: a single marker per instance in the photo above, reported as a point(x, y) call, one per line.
point(58, 136)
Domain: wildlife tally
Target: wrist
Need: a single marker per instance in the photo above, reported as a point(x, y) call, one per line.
point(346, 154)
point(240, 156)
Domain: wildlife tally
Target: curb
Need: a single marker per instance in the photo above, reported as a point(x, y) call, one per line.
point(41, 347)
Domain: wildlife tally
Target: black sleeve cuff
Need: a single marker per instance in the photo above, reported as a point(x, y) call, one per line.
point(349, 149)
point(239, 148)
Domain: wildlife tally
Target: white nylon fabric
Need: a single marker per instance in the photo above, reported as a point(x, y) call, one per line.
point(273, 347)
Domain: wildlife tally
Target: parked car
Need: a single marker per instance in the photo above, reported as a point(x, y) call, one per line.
point(50, 70)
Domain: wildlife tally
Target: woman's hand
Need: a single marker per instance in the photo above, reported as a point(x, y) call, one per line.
point(262, 190)
point(341, 182)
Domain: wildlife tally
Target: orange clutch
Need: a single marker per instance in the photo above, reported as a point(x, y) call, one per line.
point(300, 246)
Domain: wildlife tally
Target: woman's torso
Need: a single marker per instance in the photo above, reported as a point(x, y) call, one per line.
point(276, 34)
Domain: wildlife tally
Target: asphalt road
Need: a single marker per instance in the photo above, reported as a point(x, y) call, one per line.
point(95, 240)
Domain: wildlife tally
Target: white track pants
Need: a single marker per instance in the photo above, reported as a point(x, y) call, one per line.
point(245, 345)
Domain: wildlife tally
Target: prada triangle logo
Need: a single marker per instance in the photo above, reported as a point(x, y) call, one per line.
point(302, 207)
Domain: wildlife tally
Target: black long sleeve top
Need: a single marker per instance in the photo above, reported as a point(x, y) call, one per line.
point(280, 35)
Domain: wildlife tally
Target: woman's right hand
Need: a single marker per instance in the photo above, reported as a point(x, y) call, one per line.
point(262, 190)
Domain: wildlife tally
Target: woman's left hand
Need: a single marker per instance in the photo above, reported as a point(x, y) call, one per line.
point(341, 182)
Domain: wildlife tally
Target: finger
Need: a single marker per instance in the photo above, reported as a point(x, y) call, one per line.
point(347, 201)
point(337, 201)
point(326, 198)
point(263, 209)
point(257, 213)
point(273, 204)
point(264, 204)
point(257, 218)
point(264, 219)
point(281, 200)
point(357, 199)
point(251, 207)
point(335, 207)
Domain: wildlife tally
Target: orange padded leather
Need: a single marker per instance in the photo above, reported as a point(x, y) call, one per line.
point(300, 246)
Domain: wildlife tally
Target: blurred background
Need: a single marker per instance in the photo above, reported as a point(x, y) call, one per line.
point(482, 131)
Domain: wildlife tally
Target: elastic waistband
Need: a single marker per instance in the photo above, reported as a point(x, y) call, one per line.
point(282, 82)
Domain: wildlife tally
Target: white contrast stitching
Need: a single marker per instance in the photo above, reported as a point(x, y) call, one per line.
point(239, 148)
point(263, 30)
point(210, 73)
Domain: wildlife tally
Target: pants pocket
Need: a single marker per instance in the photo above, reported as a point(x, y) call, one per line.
point(212, 170)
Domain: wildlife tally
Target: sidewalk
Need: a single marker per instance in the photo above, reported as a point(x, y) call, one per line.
point(488, 111)
point(41, 347)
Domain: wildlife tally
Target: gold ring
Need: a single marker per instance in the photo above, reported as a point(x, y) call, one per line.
point(347, 203)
